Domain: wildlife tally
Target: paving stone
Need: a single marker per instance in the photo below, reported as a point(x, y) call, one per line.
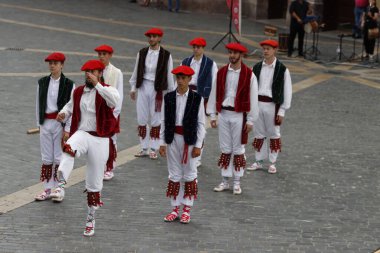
point(323, 198)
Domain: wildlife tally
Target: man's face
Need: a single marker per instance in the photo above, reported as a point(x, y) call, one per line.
point(198, 50)
point(269, 52)
point(182, 80)
point(154, 40)
point(104, 57)
point(95, 72)
point(234, 56)
point(55, 66)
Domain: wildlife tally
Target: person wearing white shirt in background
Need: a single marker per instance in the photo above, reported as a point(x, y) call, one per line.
point(151, 79)
point(182, 134)
point(92, 127)
point(205, 71)
point(113, 77)
point(234, 98)
point(275, 95)
point(53, 92)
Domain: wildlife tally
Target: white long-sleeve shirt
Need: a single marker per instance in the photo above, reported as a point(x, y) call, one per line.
point(150, 69)
point(51, 101)
point(232, 82)
point(265, 85)
point(181, 101)
point(87, 105)
point(115, 81)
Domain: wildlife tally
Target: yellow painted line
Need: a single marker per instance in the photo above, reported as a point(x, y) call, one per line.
point(116, 22)
point(95, 55)
point(313, 65)
point(38, 74)
point(343, 67)
point(76, 53)
point(108, 37)
point(363, 81)
point(307, 83)
point(297, 69)
point(25, 196)
point(248, 42)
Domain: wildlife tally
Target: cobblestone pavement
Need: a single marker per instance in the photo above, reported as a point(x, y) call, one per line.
point(325, 197)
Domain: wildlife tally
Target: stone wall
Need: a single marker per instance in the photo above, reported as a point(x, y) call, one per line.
point(254, 9)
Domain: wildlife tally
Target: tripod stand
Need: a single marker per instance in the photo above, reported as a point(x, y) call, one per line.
point(353, 56)
point(313, 50)
point(340, 55)
point(229, 34)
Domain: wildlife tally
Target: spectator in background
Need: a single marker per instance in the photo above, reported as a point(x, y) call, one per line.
point(178, 3)
point(298, 10)
point(369, 20)
point(360, 8)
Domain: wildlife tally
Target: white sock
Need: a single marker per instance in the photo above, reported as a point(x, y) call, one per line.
point(236, 180)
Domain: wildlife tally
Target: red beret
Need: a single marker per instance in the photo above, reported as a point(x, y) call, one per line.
point(271, 43)
point(198, 42)
point(154, 31)
point(92, 65)
point(56, 56)
point(104, 48)
point(237, 47)
point(183, 70)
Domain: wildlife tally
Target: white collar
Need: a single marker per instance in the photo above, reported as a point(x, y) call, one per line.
point(150, 51)
point(55, 80)
point(185, 94)
point(198, 61)
point(86, 89)
point(270, 65)
point(233, 70)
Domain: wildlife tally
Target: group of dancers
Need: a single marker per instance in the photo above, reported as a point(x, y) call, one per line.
point(172, 106)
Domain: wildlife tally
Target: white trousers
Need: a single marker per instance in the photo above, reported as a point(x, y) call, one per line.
point(145, 107)
point(179, 172)
point(50, 144)
point(264, 128)
point(50, 141)
point(96, 149)
point(230, 128)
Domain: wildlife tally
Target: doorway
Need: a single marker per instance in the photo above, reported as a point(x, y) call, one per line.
point(277, 9)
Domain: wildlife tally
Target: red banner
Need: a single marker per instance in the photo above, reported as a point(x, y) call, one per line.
point(236, 13)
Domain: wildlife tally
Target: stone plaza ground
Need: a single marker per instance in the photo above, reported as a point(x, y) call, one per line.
point(324, 198)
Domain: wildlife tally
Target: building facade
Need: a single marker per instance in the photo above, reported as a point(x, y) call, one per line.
point(331, 12)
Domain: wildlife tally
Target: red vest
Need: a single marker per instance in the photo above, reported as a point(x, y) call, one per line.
point(242, 99)
point(106, 123)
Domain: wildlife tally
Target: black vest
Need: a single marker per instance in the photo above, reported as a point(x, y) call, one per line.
point(64, 93)
point(190, 117)
point(161, 80)
point(278, 80)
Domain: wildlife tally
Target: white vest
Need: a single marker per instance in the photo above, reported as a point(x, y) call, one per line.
point(111, 76)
